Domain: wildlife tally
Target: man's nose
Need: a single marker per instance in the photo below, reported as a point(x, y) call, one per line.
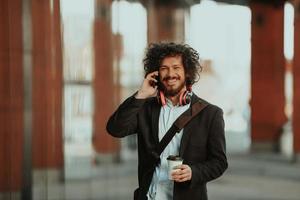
point(170, 72)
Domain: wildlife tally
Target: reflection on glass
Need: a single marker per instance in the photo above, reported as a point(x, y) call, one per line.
point(78, 131)
point(289, 31)
point(224, 45)
point(78, 96)
point(129, 21)
point(84, 178)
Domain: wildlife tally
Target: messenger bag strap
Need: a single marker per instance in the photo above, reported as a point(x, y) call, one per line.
point(179, 124)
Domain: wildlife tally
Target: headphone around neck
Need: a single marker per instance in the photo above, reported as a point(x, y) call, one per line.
point(184, 98)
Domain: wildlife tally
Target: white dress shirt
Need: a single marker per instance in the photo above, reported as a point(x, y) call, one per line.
point(161, 188)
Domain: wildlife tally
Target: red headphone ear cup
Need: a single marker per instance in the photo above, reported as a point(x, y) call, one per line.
point(162, 98)
point(181, 98)
point(185, 98)
point(188, 98)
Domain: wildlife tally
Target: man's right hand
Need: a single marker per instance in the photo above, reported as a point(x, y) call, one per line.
point(147, 89)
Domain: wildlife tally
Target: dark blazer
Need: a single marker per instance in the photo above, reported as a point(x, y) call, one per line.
point(202, 145)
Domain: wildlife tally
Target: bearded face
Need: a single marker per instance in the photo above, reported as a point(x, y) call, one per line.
point(172, 75)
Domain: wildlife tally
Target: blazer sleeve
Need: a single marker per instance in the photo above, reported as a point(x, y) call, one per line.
point(123, 122)
point(216, 162)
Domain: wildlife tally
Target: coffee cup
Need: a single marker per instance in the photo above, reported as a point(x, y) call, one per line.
point(173, 162)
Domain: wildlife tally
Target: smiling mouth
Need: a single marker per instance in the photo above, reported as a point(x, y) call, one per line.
point(171, 81)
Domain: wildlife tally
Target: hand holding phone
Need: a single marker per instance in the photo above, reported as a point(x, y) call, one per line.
point(149, 86)
point(154, 83)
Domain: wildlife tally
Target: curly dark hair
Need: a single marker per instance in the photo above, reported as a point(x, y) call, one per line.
point(156, 52)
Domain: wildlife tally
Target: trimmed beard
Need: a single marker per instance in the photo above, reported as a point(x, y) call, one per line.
point(172, 92)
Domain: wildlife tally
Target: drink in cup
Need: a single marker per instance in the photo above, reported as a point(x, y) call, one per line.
point(173, 162)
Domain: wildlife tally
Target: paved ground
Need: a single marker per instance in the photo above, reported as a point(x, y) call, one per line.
point(257, 177)
point(249, 177)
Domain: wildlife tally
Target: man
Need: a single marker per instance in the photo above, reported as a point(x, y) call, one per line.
point(170, 71)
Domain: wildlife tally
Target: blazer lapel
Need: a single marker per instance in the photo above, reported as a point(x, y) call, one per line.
point(155, 117)
point(186, 131)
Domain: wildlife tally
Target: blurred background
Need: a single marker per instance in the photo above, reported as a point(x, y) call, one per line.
point(65, 66)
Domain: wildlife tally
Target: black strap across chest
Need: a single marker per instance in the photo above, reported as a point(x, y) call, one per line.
point(177, 126)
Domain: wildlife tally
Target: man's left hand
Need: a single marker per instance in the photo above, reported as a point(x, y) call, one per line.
point(182, 173)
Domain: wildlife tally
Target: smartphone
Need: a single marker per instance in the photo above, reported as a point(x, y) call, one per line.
point(153, 83)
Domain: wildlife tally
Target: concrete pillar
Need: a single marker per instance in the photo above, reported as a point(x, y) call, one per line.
point(296, 74)
point(11, 96)
point(47, 85)
point(267, 76)
point(165, 21)
point(104, 144)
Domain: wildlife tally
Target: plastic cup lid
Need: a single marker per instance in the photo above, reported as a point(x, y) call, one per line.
point(174, 157)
